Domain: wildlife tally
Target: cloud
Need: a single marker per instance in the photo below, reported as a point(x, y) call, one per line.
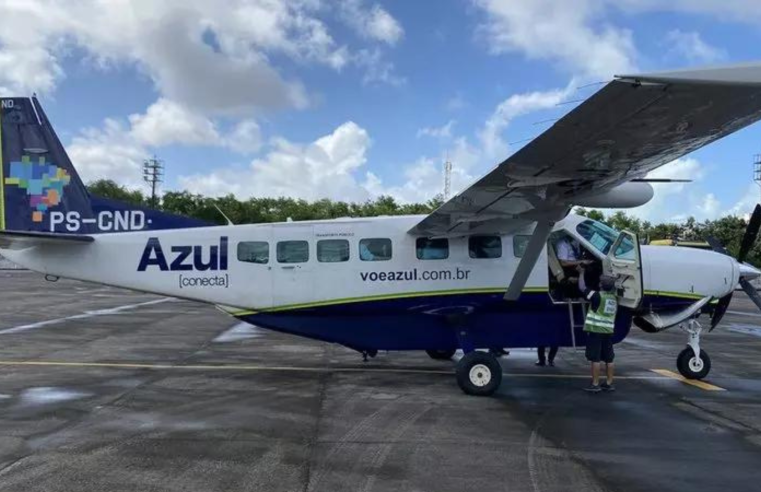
point(691, 46)
point(514, 106)
point(375, 23)
point(672, 200)
point(116, 151)
point(442, 132)
point(455, 103)
point(325, 168)
point(108, 153)
point(376, 68)
point(566, 33)
point(212, 57)
point(167, 122)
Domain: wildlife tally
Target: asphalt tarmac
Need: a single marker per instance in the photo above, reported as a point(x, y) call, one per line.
point(108, 390)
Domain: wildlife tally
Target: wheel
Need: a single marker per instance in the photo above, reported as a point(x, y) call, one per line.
point(693, 367)
point(479, 374)
point(440, 354)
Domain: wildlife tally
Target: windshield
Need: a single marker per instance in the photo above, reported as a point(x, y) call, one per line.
point(598, 234)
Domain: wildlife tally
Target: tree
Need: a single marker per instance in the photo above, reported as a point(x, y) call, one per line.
point(106, 188)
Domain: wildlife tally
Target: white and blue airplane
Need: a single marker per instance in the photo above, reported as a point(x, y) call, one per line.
point(480, 272)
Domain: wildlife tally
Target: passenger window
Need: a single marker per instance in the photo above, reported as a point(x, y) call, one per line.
point(485, 246)
point(519, 245)
point(292, 252)
point(431, 249)
point(254, 252)
point(332, 250)
point(375, 249)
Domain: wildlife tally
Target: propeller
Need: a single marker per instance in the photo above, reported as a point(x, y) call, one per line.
point(751, 234)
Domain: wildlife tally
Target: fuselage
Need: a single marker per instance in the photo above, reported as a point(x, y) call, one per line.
point(371, 272)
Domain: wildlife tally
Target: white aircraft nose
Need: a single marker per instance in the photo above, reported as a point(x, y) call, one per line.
point(748, 272)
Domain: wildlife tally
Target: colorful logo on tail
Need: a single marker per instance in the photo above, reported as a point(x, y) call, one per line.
point(44, 183)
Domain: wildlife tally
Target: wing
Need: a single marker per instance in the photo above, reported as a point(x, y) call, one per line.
point(633, 125)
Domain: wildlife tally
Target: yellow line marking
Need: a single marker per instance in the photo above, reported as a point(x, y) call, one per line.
point(2, 177)
point(246, 367)
point(693, 382)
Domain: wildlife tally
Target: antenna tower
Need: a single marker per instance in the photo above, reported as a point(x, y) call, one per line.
point(153, 174)
point(447, 178)
point(757, 169)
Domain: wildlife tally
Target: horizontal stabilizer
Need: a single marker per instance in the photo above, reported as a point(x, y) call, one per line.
point(27, 239)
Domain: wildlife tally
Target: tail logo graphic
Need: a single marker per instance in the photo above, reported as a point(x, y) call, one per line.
point(44, 183)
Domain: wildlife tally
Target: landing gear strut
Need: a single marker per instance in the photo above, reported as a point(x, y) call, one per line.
point(479, 373)
point(693, 363)
point(369, 353)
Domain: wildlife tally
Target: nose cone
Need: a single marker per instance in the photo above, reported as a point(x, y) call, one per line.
point(748, 272)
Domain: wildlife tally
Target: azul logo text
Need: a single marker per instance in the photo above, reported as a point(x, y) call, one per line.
point(184, 258)
point(105, 221)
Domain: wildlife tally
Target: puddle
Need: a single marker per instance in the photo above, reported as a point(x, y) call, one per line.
point(746, 329)
point(48, 395)
point(241, 331)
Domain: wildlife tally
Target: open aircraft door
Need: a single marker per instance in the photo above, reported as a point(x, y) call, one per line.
point(625, 262)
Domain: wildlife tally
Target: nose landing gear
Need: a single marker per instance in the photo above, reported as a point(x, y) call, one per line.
point(692, 362)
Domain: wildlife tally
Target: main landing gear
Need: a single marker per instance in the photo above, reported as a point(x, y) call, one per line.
point(693, 363)
point(479, 373)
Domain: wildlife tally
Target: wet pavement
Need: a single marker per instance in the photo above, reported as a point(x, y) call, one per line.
point(105, 389)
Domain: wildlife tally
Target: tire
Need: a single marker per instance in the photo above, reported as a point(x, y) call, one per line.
point(440, 354)
point(692, 368)
point(479, 374)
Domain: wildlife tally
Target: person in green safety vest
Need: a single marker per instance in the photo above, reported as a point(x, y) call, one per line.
point(599, 326)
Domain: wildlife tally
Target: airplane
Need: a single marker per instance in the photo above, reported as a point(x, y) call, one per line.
point(480, 272)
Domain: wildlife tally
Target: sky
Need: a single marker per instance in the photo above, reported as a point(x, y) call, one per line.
point(353, 99)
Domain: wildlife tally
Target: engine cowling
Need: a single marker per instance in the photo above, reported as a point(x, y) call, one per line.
point(626, 195)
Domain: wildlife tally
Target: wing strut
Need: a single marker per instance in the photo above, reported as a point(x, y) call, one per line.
point(530, 256)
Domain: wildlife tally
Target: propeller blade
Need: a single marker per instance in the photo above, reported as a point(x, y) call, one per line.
point(720, 310)
point(717, 246)
point(752, 292)
point(751, 233)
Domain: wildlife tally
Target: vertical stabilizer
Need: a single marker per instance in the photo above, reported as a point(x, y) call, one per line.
point(39, 183)
point(41, 191)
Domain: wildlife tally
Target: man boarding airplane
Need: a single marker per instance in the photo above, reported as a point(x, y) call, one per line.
point(481, 271)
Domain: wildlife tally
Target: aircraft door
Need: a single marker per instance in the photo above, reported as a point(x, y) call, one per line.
point(292, 268)
point(625, 262)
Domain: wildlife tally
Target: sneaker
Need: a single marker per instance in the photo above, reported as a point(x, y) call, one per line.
point(551, 363)
point(593, 388)
point(539, 363)
point(607, 387)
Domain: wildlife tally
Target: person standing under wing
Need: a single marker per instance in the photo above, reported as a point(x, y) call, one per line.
point(599, 325)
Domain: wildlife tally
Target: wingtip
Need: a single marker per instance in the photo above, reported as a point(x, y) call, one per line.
point(738, 74)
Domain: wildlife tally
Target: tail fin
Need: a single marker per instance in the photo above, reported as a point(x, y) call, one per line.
point(41, 191)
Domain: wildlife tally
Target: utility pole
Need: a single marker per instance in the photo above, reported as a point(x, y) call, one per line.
point(447, 178)
point(153, 174)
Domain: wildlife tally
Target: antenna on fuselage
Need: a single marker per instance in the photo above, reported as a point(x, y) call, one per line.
point(229, 222)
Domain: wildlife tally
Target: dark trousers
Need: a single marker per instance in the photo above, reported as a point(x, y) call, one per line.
point(540, 354)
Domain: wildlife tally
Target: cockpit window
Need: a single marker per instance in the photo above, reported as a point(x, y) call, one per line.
point(598, 234)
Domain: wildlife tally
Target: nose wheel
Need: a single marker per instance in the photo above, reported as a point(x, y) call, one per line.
point(479, 373)
point(693, 362)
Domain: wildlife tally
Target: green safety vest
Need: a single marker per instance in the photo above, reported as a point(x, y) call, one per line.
point(602, 320)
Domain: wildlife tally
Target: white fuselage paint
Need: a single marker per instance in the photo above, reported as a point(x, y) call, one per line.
point(113, 259)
